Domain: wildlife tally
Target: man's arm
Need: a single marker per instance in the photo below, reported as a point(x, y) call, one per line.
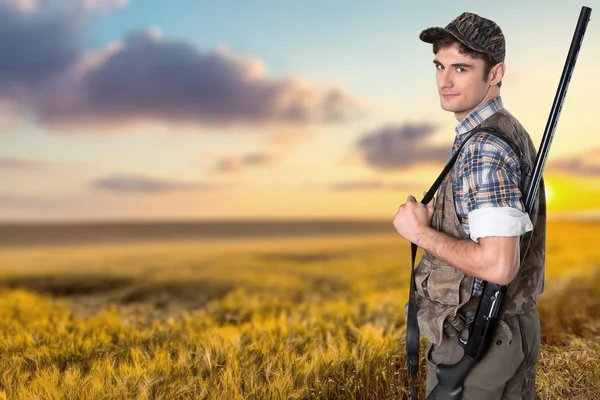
point(488, 179)
point(494, 258)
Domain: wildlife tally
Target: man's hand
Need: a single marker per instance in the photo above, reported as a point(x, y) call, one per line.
point(413, 218)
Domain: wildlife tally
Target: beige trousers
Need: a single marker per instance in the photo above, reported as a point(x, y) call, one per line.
point(501, 373)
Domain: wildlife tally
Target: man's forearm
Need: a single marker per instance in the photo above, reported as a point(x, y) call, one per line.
point(468, 256)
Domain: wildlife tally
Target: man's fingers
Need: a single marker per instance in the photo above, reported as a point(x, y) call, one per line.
point(411, 198)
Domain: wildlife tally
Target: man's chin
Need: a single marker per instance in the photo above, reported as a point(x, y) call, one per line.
point(447, 107)
point(458, 111)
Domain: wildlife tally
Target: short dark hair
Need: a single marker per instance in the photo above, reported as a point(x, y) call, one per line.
point(449, 40)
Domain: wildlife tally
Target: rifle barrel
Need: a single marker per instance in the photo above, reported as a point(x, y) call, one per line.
point(565, 79)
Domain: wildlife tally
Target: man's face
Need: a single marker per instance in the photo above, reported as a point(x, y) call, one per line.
point(460, 81)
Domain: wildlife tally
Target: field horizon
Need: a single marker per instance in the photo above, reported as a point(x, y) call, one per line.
point(25, 233)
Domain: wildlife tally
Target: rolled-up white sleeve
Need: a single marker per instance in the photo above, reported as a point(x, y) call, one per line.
point(498, 221)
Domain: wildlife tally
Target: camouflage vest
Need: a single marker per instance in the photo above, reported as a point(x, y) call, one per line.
point(443, 289)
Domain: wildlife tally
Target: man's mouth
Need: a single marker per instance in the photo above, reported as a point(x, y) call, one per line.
point(448, 95)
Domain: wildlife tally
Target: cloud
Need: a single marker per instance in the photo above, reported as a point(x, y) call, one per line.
point(146, 185)
point(577, 165)
point(145, 78)
point(40, 41)
point(395, 147)
point(148, 77)
point(35, 46)
point(234, 163)
point(14, 163)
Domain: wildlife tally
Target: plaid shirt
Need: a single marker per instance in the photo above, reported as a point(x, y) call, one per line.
point(487, 179)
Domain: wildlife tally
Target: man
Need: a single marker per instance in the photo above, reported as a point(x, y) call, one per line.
point(471, 231)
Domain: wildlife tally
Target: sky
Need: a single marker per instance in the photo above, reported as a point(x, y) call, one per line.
point(191, 110)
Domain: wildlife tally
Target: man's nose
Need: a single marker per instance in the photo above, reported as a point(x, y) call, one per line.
point(444, 79)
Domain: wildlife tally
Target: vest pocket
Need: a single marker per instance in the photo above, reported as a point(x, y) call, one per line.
point(444, 286)
point(438, 281)
point(440, 285)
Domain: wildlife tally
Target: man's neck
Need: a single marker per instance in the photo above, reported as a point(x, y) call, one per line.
point(493, 92)
point(479, 114)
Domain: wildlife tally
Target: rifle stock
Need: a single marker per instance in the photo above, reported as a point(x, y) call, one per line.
point(450, 378)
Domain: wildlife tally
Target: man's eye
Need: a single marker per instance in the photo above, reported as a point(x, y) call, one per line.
point(460, 69)
point(439, 67)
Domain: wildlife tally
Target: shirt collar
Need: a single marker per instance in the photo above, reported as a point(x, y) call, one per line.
point(479, 114)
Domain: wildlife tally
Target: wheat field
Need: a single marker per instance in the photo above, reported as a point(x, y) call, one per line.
point(289, 317)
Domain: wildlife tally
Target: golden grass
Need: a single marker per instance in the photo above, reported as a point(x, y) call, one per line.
point(283, 318)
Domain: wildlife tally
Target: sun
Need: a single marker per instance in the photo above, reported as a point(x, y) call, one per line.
point(550, 193)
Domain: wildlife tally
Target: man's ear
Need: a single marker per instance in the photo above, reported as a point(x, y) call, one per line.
point(497, 73)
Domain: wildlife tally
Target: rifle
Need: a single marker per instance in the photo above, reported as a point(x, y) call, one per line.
point(451, 377)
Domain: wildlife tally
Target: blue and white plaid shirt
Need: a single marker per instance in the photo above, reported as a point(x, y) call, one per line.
point(486, 187)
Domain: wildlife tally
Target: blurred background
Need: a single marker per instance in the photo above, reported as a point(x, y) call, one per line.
point(196, 197)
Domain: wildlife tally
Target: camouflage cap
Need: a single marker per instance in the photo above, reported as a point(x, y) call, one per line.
point(475, 32)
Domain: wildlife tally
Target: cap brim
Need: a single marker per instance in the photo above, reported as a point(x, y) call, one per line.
point(429, 35)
